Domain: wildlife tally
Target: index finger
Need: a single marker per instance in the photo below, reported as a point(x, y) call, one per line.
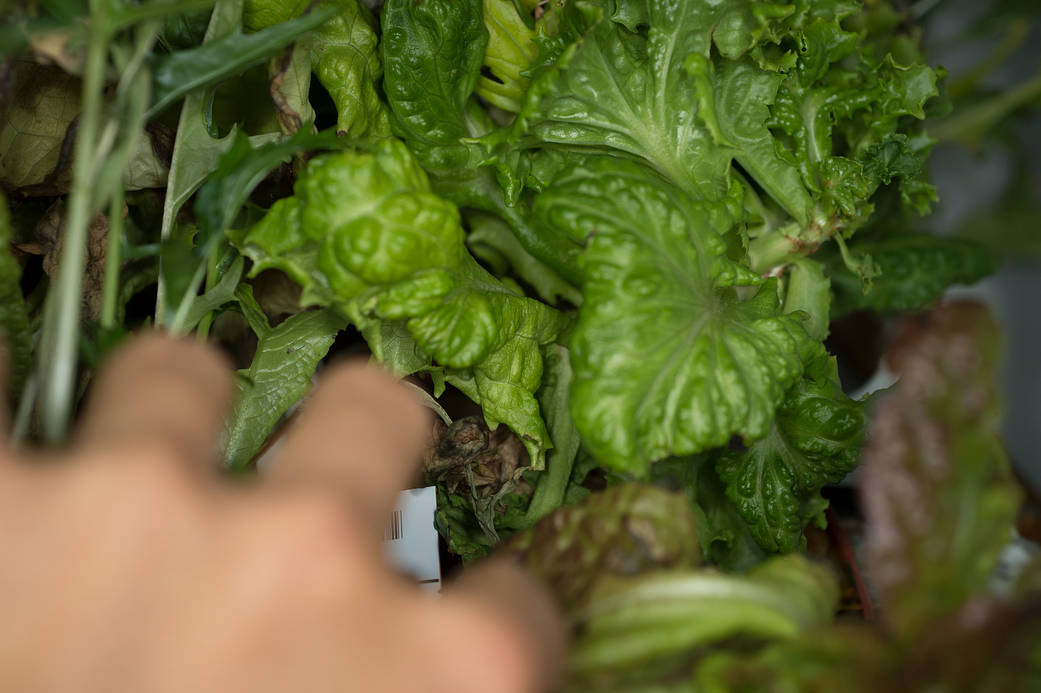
point(361, 434)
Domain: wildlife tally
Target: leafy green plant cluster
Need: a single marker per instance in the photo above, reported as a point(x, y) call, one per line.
point(619, 227)
point(940, 503)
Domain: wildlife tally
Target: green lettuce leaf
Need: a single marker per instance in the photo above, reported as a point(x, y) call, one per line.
point(491, 240)
point(940, 498)
point(285, 361)
point(915, 269)
point(631, 623)
point(812, 118)
point(344, 56)
point(364, 233)
point(815, 440)
point(510, 52)
point(834, 659)
point(433, 52)
point(668, 359)
point(725, 536)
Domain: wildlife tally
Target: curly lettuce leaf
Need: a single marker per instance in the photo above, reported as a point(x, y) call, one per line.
point(364, 234)
point(695, 90)
point(815, 440)
point(627, 93)
point(668, 358)
point(344, 56)
point(939, 494)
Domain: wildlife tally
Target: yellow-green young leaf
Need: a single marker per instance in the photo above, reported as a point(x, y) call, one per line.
point(364, 233)
point(344, 56)
point(510, 52)
point(668, 358)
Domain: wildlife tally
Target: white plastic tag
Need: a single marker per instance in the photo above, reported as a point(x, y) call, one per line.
point(411, 540)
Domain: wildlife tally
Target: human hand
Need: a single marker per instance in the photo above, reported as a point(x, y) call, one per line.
point(129, 565)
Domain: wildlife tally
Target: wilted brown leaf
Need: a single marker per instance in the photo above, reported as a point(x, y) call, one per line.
point(469, 450)
point(50, 238)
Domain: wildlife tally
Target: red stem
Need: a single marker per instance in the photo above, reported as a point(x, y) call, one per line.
point(838, 535)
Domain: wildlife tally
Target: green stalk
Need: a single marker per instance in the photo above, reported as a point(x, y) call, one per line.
point(212, 272)
point(110, 289)
point(62, 312)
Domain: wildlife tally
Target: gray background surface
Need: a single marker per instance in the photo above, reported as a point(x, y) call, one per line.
point(971, 182)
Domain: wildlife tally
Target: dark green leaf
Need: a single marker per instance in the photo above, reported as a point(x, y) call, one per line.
point(815, 440)
point(432, 52)
point(222, 292)
point(241, 168)
point(177, 74)
point(914, 271)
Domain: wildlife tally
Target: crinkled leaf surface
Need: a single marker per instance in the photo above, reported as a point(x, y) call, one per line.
point(940, 498)
point(364, 233)
point(344, 56)
point(814, 440)
point(432, 52)
point(624, 530)
point(667, 358)
point(688, 87)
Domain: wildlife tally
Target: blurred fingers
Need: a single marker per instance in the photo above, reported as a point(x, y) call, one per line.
point(160, 391)
point(516, 639)
point(360, 434)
